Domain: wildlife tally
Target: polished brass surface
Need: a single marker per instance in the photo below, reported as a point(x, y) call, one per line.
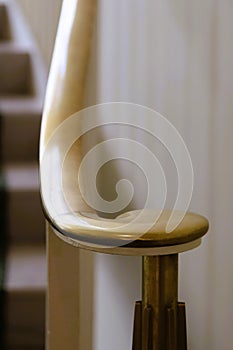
point(160, 292)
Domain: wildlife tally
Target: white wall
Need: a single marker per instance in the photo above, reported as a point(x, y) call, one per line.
point(176, 57)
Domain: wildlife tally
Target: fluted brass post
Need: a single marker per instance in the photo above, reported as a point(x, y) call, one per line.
point(160, 295)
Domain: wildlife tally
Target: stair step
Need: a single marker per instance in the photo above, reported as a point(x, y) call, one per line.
point(4, 24)
point(25, 297)
point(20, 132)
point(25, 218)
point(15, 71)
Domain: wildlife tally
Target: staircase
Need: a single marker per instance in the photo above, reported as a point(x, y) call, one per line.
point(22, 86)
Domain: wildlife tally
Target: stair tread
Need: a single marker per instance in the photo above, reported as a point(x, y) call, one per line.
point(26, 268)
point(21, 176)
point(20, 105)
point(14, 47)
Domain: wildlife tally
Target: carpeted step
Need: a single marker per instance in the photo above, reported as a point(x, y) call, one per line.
point(25, 218)
point(25, 298)
point(22, 86)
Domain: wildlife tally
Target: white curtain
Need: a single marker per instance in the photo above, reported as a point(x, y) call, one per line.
point(175, 56)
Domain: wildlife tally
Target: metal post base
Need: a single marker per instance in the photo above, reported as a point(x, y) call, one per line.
point(160, 322)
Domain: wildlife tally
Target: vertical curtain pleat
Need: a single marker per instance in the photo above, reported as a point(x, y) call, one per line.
point(176, 57)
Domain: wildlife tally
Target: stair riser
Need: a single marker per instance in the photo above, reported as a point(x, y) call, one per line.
point(25, 219)
point(25, 320)
point(20, 137)
point(15, 73)
point(4, 24)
